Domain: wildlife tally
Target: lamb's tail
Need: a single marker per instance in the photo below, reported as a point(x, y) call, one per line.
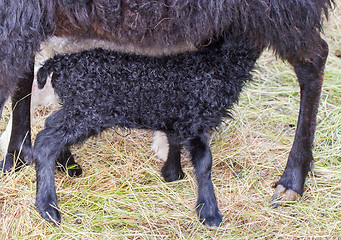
point(49, 66)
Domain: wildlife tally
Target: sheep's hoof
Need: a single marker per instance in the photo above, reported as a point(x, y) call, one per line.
point(50, 214)
point(283, 196)
point(6, 165)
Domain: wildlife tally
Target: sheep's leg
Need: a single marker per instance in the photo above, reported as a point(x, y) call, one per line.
point(310, 76)
point(171, 170)
point(4, 95)
point(19, 151)
point(160, 145)
point(207, 207)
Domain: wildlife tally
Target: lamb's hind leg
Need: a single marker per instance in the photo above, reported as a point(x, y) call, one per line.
point(310, 76)
point(207, 207)
point(171, 170)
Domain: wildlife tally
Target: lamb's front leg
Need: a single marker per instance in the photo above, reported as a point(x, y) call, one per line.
point(47, 148)
point(207, 207)
point(310, 76)
point(51, 143)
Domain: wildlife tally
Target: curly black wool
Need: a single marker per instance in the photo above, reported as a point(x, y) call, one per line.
point(184, 95)
point(187, 94)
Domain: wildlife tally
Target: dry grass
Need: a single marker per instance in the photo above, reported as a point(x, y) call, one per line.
point(122, 196)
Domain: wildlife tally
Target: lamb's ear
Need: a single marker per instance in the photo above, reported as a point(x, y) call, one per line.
point(43, 74)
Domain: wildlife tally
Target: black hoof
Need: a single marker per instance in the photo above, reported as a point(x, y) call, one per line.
point(9, 164)
point(171, 175)
point(209, 216)
point(67, 164)
point(50, 213)
point(71, 169)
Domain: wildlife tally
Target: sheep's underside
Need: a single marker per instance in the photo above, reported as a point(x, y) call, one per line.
point(290, 28)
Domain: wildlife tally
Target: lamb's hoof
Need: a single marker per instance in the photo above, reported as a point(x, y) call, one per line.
point(283, 196)
point(50, 214)
point(172, 175)
point(213, 221)
point(73, 170)
point(67, 164)
point(209, 217)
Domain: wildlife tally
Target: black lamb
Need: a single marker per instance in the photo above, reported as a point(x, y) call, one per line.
point(185, 96)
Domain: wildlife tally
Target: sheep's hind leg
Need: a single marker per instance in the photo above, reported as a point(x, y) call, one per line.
point(310, 76)
point(171, 170)
point(207, 207)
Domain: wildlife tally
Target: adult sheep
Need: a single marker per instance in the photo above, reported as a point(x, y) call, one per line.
point(290, 27)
